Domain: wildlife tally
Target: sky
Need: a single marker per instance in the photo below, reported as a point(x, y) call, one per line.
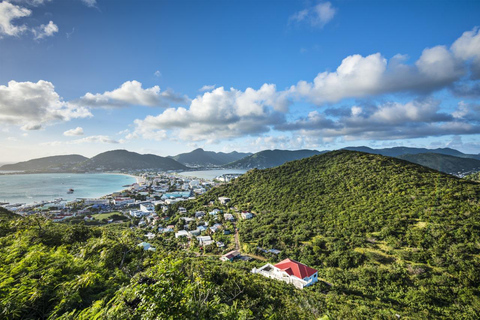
point(166, 77)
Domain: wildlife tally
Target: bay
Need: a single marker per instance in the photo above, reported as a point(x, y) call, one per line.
point(30, 188)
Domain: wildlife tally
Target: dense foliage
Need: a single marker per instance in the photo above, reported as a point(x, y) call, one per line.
point(401, 236)
point(389, 238)
point(443, 163)
point(271, 158)
point(474, 176)
point(57, 271)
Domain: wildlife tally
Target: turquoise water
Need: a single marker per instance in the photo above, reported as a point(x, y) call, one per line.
point(30, 188)
point(210, 174)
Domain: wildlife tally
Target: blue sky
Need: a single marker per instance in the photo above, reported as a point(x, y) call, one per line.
point(165, 77)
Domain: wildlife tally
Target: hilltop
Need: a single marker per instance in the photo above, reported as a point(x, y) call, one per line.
point(270, 158)
point(54, 163)
point(202, 158)
point(389, 234)
point(126, 160)
point(400, 151)
point(444, 163)
point(114, 160)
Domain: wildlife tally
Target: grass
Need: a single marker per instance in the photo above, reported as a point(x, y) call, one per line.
point(107, 215)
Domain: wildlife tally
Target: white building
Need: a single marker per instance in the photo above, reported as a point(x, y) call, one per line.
point(290, 271)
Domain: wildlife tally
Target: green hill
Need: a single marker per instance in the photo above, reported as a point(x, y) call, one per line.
point(444, 163)
point(474, 176)
point(126, 160)
point(270, 158)
point(6, 214)
point(55, 163)
point(388, 234)
point(202, 158)
point(400, 151)
point(390, 239)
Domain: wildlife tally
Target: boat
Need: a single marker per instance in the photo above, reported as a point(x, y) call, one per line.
point(70, 191)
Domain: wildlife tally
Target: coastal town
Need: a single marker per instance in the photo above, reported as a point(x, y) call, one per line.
point(154, 206)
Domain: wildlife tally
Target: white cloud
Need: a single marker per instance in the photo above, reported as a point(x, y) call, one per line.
point(34, 3)
point(218, 114)
point(8, 13)
point(131, 93)
point(45, 30)
point(32, 105)
point(359, 76)
point(468, 47)
point(96, 139)
point(90, 3)
point(158, 74)
point(388, 121)
point(316, 16)
point(78, 131)
point(207, 88)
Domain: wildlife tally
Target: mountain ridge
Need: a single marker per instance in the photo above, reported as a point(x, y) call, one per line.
point(202, 158)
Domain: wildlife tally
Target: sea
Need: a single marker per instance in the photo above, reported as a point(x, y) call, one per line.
point(31, 188)
point(210, 174)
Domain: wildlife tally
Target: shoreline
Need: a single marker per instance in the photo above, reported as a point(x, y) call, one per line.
point(34, 200)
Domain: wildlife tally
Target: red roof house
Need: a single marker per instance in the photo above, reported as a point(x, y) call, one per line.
point(295, 268)
point(290, 271)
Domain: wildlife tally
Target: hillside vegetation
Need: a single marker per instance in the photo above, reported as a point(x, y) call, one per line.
point(390, 239)
point(271, 158)
point(200, 157)
point(387, 233)
point(444, 163)
point(55, 163)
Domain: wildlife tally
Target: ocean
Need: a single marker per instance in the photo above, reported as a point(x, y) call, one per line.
point(30, 188)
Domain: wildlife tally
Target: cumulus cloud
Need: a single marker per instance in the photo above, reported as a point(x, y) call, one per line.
point(8, 13)
point(131, 93)
point(32, 105)
point(78, 131)
point(45, 30)
point(388, 121)
point(467, 47)
point(316, 16)
point(207, 88)
point(359, 76)
point(218, 114)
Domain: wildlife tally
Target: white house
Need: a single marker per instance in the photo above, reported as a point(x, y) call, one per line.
point(229, 217)
point(205, 240)
point(246, 215)
point(224, 200)
point(147, 207)
point(290, 271)
point(182, 233)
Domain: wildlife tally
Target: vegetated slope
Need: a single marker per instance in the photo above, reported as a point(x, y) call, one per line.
point(399, 151)
point(388, 234)
point(54, 163)
point(123, 159)
point(57, 271)
point(200, 157)
point(6, 214)
point(444, 163)
point(271, 158)
point(474, 177)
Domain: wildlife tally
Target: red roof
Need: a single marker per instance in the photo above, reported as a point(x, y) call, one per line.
point(295, 268)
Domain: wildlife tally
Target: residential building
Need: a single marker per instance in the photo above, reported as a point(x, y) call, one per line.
point(290, 271)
